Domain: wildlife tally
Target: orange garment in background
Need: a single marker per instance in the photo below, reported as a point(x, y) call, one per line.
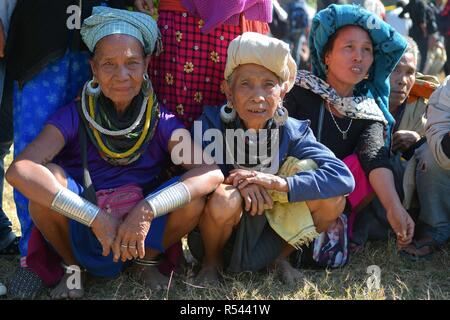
point(253, 26)
point(171, 5)
point(421, 89)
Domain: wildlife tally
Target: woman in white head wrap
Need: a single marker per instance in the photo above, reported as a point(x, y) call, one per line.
point(129, 138)
point(258, 73)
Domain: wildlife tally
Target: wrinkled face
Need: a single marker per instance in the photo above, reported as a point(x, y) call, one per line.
point(119, 65)
point(350, 57)
point(402, 79)
point(255, 93)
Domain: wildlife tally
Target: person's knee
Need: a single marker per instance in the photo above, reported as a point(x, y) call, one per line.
point(40, 214)
point(195, 208)
point(224, 205)
point(37, 211)
point(330, 208)
point(338, 206)
point(325, 211)
point(58, 172)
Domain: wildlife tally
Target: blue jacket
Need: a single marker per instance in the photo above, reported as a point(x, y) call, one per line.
point(331, 179)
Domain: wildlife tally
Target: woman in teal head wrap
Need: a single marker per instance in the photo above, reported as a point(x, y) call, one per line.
point(126, 138)
point(346, 98)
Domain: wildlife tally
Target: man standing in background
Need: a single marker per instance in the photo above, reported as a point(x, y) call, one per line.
point(445, 30)
point(422, 27)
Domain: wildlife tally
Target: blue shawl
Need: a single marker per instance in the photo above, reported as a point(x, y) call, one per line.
point(388, 46)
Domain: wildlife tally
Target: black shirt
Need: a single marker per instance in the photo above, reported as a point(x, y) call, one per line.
point(418, 15)
point(365, 137)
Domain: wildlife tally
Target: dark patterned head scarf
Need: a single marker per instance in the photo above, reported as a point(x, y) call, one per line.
point(106, 21)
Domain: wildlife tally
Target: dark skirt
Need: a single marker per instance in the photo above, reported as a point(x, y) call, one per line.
point(252, 246)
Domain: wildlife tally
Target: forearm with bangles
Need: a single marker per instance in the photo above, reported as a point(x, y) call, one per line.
point(166, 200)
point(162, 202)
point(74, 207)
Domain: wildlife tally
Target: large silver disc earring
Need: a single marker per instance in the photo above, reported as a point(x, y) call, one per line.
point(281, 115)
point(93, 88)
point(147, 87)
point(227, 113)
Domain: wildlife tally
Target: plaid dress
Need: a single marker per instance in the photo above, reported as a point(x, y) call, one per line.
point(188, 73)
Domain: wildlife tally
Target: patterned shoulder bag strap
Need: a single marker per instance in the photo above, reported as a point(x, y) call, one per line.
point(320, 121)
point(89, 191)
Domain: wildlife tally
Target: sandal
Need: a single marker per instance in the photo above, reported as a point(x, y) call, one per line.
point(25, 284)
point(417, 250)
point(12, 248)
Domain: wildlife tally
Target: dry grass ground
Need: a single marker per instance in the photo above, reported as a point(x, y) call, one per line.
point(399, 279)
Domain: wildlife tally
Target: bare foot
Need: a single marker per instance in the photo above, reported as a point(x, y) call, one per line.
point(207, 276)
point(70, 287)
point(289, 274)
point(152, 278)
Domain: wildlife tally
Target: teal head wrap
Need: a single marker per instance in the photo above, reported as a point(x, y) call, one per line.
point(388, 48)
point(106, 21)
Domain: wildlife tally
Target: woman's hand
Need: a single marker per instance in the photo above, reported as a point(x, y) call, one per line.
point(241, 178)
point(144, 6)
point(402, 224)
point(130, 239)
point(105, 228)
point(403, 139)
point(256, 199)
point(382, 181)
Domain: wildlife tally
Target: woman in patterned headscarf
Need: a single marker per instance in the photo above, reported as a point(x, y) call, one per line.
point(346, 98)
point(125, 136)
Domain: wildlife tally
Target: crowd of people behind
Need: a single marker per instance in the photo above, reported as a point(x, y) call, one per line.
point(340, 135)
point(425, 21)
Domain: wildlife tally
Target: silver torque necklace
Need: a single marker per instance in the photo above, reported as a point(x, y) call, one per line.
point(110, 132)
point(343, 132)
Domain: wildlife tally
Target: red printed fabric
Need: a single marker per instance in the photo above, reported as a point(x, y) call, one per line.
point(186, 76)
